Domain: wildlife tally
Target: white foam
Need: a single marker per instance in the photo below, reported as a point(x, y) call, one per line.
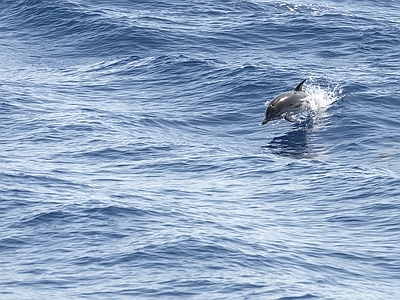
point(320, 98)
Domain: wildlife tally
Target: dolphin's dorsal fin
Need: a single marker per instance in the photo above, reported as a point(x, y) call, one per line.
point(300, 86)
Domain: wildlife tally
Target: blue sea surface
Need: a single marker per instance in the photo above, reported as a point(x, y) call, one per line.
point(133, 162)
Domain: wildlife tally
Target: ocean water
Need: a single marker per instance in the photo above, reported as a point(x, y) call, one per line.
point(133, 164)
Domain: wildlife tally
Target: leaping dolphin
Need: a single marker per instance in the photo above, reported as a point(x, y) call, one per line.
point(286, 105)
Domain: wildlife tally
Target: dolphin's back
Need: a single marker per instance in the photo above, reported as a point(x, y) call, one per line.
point(287, 102)
point(288, 98)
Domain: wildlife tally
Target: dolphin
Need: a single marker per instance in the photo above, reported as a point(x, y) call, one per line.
point(286, 105)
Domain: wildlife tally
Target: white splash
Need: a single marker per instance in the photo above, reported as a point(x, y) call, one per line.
point(321, 98)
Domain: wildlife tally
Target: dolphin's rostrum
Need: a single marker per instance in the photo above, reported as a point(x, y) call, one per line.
point(286, 105)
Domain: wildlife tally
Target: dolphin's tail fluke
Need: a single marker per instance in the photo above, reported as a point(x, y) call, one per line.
point(300, 86)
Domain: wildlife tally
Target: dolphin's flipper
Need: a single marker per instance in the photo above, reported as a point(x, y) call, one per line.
point(290, 118)
point(300, 86)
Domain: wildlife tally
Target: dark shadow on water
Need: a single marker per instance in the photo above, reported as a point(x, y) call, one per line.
point(293, 143)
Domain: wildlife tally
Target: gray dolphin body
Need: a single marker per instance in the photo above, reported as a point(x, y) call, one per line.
point(286, 105)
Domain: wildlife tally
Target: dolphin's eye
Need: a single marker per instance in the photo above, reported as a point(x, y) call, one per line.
point(272, 104)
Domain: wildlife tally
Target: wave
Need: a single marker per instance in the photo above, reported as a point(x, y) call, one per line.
point(70, 30)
